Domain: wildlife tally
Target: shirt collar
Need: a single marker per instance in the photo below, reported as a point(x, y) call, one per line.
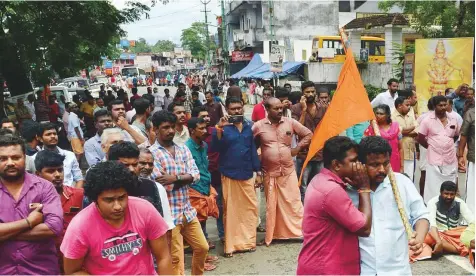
point(332, 177)
point(195, 145)
point(267, 121)
point(390, 95)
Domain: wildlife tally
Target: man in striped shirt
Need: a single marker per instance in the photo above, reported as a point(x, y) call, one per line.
point(175, 169)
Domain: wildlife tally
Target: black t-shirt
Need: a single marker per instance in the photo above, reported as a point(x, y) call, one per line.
point(147, 189)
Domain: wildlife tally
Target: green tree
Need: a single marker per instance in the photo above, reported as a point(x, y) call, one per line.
point(455, 21)
point(42, 39)
point(163, 46)
point(141, 46)
point(195, 40)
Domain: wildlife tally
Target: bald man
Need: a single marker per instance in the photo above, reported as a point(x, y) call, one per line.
point(273, 135)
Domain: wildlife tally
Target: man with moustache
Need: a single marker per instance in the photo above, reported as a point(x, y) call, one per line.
point(175, 169)
point(438, 133)
point(388, 97)
point(259, 111)
point(386, 249)
point(273, 136)
point(48, 135)
point(309, 113)
point(446, 214)
point(49, 166)
point(213, 157)
point(237, 164)
point(202, 195)
point(181, 131)
point(408, 125)
point(31, 215)
point(118, 113)
point(92, 148)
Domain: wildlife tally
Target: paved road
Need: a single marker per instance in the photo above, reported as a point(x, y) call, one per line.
point(281, 258)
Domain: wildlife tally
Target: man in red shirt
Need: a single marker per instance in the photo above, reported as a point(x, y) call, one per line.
point(331, 224)
point(259, 112)
point(49, 166)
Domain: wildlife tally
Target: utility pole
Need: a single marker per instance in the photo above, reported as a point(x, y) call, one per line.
point(206, 31)
point(224, 49)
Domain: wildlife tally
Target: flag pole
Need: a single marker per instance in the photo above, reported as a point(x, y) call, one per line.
point(391, 175)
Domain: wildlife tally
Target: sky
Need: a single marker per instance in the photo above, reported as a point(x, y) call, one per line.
point(167, 21)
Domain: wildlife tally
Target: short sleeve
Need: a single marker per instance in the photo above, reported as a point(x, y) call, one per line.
point(466, 124)
point(156, 226)
point(339, 206)
point(75, 243)
point(423, 128)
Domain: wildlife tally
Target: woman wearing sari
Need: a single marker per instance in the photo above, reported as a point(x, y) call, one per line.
point(391, 132)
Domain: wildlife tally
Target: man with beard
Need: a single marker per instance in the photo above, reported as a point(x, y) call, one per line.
point(446, 214)
point(175, 169)
point(48, 135)
point(181, 131)
point(127, 153)
point(146, 165)
point(259, 111)
point(233, 139)
point(408, 126)
point(202, 195)
point(386, 250)
point(388, 97)
point(273, 135)
point(118, 234)
point(309, 113)
point(213, 108)
point(92, 147)
point(49, 166)
point(438, 133)
point(118, 113)
point(31, 215)
point(213, 156)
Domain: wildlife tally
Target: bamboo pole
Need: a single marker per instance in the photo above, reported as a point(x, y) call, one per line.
point(396, 193)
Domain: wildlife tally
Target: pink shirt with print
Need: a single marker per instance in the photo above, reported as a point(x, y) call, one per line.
point(115, 251)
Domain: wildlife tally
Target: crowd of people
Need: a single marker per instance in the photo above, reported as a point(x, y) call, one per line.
point(158, 167)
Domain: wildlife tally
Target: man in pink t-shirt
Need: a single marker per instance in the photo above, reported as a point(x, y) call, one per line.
point(331, 224)
point(117, 234)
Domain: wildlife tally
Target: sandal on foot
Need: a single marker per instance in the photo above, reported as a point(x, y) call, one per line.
point(211, 259)
point(209, 267)
point(228, 255)
point(260, 229)
point(211, 245)
point(251, 250)
point(261, 243)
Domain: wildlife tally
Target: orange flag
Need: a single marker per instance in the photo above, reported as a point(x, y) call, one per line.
point(350, 105)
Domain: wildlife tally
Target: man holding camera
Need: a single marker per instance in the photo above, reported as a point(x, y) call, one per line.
point(233, 139)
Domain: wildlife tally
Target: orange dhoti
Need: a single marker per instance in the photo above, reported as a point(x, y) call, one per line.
point(240, 213)
point(206, 206)
point(284, 210)
point(450, 236)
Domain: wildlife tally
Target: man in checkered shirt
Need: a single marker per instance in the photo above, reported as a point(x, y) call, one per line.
point(175, 169)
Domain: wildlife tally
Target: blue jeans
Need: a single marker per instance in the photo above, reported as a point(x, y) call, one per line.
point(312, 168)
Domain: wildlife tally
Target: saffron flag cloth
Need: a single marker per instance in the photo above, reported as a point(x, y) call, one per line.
point(350, 105)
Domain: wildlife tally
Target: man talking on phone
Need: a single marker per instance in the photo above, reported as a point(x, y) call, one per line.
point(233, 139)
point(30, 214)
point(49, 166)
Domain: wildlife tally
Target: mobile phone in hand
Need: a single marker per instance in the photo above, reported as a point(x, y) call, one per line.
point(235, 119)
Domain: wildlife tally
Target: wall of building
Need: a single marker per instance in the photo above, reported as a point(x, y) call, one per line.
point(376, 74)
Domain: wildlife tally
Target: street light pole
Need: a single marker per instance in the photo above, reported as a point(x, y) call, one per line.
point(224, 48)
point(206, 31)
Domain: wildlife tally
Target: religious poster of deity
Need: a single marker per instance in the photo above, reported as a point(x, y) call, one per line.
point(442, 63)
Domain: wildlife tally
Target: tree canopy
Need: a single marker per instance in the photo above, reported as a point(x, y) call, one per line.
point(142, 46)
point(163, 46)
point(455, 21)
point(195, 40)
point(60, 37)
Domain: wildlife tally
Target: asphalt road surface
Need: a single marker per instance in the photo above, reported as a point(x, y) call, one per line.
point(281, 257)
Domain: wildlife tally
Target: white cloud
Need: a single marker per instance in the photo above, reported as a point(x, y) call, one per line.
point(167, 21)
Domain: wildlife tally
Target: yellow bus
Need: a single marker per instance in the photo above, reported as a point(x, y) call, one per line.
point(375, 46)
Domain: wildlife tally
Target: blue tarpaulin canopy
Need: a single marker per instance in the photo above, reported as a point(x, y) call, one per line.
point(259, 70)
